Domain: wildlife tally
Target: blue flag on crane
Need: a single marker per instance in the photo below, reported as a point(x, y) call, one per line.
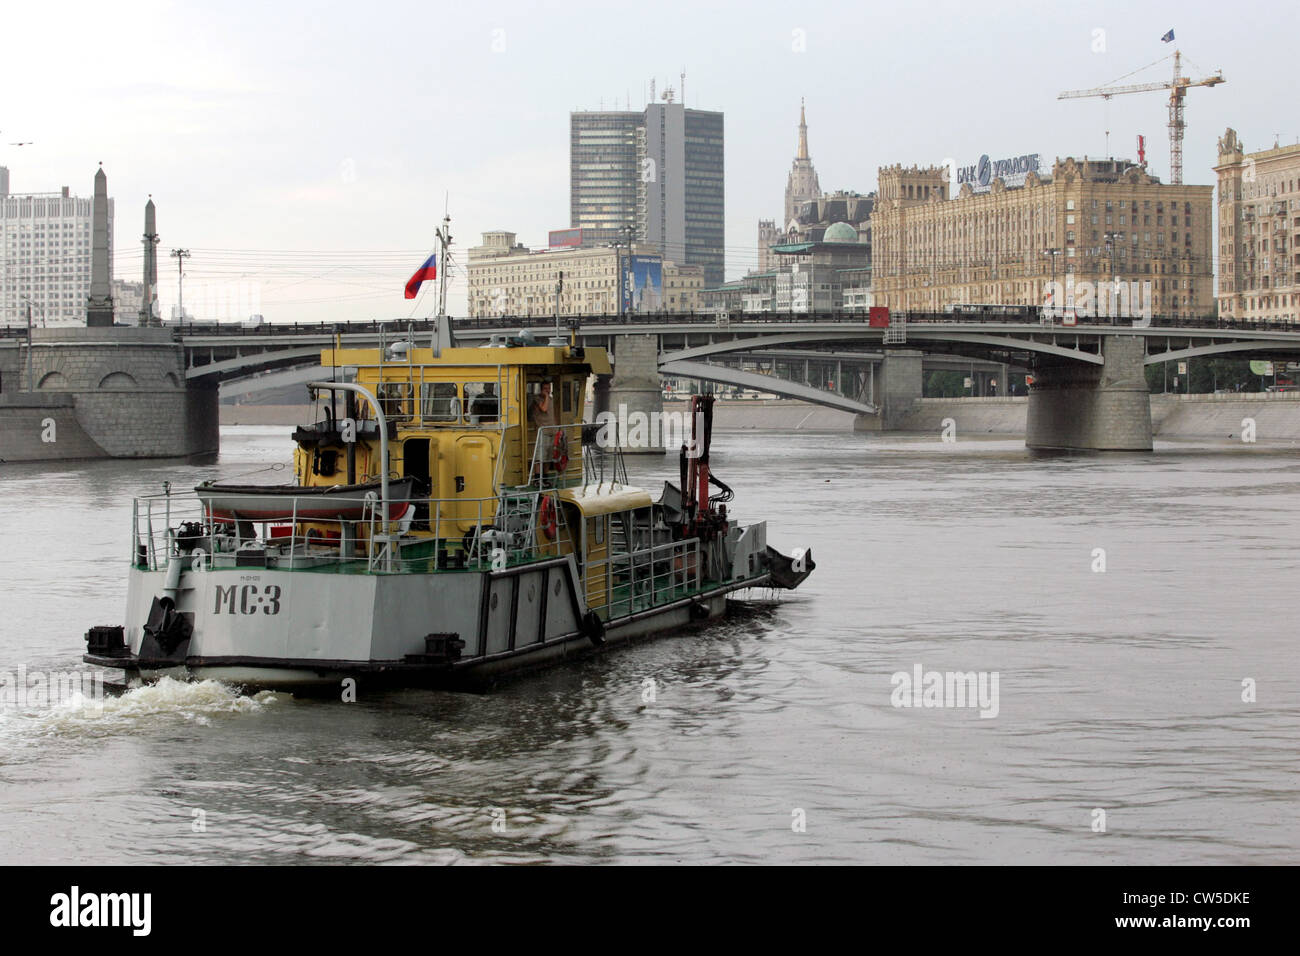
point(1168, 37)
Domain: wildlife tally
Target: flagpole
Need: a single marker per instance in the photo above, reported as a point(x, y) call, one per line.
point(444, 243)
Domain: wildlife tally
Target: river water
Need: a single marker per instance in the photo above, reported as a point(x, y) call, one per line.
point(773, 736)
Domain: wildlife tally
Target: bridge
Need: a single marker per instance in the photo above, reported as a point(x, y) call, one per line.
point(1089, 390)
point(1089, 387)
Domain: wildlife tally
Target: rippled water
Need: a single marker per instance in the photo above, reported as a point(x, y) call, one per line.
point(1119, 691)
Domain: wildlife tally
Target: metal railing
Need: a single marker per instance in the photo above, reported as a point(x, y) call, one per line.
point(642, 578)
point(550, 443)
point(455, 534)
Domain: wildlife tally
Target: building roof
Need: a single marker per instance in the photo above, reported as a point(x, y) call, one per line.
point(840, 232)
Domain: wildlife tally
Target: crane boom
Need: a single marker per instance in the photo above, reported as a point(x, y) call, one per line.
point(1177, 88)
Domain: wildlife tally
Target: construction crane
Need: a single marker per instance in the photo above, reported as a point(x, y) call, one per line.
point(1177, 88)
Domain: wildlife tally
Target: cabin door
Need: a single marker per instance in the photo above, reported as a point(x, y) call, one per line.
point(415, 464)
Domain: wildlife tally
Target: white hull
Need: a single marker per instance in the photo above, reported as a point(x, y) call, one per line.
point(299, 630)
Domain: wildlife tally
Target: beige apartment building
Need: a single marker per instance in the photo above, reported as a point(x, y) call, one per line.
point(1091, 221)
point(1259, 227)
point(506, 278)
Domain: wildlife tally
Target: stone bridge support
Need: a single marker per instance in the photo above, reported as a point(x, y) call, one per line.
point(636, 395)
point(898, 389)
point(110, 392)
point(1085, 407)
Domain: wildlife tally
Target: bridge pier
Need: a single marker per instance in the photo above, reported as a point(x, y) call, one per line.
point(104, 392)
point(897, 390)
point(1078, 407)
point(636, 395)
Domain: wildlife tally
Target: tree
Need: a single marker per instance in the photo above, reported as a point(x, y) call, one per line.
point(943, 384)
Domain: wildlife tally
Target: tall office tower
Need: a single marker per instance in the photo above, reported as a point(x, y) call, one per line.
point(45, 254)
point(603, 174)
point(655, 176)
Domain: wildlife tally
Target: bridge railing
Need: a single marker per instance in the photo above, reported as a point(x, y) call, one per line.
point(1027, 315)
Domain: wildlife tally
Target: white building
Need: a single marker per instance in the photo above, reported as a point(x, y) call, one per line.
point(45, 255)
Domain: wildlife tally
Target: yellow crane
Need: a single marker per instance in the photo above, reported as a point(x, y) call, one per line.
point(1177, 88)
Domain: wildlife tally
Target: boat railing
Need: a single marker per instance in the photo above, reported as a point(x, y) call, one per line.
point(603, 465)
point(642, 578)
point(557, 457)
point(171, 530)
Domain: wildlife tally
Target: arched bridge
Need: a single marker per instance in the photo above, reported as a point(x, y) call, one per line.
point(710, 347)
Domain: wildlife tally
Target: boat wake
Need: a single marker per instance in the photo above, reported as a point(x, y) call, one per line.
point(139, 707)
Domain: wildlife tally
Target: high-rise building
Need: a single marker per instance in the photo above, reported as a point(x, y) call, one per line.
point(604, 174)
point(808, 212)
point(654, 176)
point(45, 255)
point(802, 185)
point(1259, 232)
point(1093, 221)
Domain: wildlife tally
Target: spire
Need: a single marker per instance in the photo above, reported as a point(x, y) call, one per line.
point(803, 133)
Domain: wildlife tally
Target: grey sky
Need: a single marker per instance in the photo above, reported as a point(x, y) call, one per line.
point(307, 148)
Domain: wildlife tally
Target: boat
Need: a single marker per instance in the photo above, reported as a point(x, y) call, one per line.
point(223, 501)
point(452, 519)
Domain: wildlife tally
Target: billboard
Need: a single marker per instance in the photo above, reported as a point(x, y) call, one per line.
point(564, 237)
point(641, 284)
point(1012, 171)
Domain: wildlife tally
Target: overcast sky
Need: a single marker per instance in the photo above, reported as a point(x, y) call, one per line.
point(303, 152)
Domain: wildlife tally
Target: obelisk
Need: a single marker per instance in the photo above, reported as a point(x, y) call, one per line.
point(99, 305)
point(150, 265)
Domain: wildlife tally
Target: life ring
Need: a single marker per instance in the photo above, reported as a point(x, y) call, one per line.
point(547, 519)
point(560, 452)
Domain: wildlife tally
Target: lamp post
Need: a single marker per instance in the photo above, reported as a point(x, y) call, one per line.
point(180, 255)
point(1052, 254)
point(31, 385)
point(1110, 238)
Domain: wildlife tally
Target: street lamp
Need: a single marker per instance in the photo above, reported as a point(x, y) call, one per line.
point(180, 255)
point(31, 385)
point(1110, 238)
point(1053, 253)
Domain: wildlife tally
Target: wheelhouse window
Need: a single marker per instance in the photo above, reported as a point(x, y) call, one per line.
point(439, 402)
point(482, 402)
point(393, 398)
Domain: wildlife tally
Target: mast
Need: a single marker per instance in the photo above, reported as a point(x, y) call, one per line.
point(442, 324)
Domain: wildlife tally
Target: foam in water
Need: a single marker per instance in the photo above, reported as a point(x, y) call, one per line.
point(194, 701)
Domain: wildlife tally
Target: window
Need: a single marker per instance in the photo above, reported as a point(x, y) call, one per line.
point(439, 402)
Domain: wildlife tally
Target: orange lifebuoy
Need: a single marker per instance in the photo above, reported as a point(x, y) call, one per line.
point(560, 452)
point(546, 518)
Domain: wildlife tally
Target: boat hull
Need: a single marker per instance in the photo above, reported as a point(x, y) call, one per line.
point(309, 632)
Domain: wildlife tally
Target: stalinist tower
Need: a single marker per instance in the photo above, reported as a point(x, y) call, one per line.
point(802, 185)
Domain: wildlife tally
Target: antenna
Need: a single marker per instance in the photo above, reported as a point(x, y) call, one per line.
point(652, 89)
point(683, 86)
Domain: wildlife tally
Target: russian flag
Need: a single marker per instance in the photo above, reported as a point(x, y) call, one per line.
point(427, 271)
